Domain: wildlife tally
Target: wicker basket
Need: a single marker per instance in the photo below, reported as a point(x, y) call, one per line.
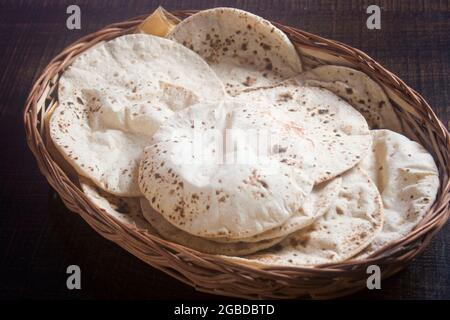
point(209, 273)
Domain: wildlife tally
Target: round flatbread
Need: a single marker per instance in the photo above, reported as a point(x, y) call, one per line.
point(339, 133)
point(408, 181)
point(207, 175)
point(125, 209)
point(136, 212)
point(243, 49)
point(354, 220)
point(171, 233)
point(359, 90)
point(114, 96)
point(315, 205)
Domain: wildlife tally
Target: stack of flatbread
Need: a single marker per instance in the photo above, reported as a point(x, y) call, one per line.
point(212, 136)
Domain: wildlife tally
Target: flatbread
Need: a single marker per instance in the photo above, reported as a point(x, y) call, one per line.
point(125, 209)
point(207, 177)
point(408, 181)
point(315, 205)
point(53, 151)
point(137, 213)
point(244, 50)
point(171, 233)
point(359, 90)
point(353, 222)
point(339, 133)
point(113, 98)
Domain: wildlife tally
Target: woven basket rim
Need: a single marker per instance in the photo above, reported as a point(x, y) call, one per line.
point(400, 252)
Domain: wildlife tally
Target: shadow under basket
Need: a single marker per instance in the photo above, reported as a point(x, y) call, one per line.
point(213, 274)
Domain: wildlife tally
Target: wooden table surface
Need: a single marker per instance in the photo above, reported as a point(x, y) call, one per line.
point(39, 237)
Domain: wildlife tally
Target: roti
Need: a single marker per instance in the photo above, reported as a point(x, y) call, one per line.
point(408, 181)
point(359, 90)
point(316, 205)
point(339, 133)
point(128, 211)
point(207, 175)
point(115, 95)
point(125, 209)
point(171, 233)
point(354, 220)
point(244, 50)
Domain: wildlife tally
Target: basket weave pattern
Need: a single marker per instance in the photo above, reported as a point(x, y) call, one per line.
point(213, 274)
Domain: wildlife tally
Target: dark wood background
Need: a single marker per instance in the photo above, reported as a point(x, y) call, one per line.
point(39, 237)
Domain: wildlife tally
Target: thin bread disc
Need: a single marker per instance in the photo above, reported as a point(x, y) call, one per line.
point(354, 220)
point(315, 205)
point(137, 213)
point(408, 181)
point(244, 50)
point(359, 90)
point(125, 209)
point(206, 175)
point(114, 96)
point(171, 233)
point(339, 133)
